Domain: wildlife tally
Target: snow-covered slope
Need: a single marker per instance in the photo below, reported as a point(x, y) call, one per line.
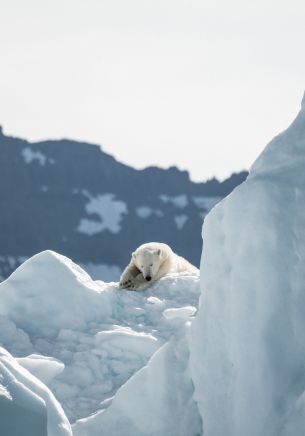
point(86, 338)
point(27, 407)
point(248, 340)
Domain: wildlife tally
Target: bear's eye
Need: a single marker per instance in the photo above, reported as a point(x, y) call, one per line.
point(151, 264)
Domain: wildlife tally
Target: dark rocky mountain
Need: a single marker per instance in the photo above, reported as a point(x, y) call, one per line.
point(73, 198)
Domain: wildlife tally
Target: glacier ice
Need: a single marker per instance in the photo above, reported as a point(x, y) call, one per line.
point(156, 401)
point(27, 406)
point(82, 338)
point(248, 339)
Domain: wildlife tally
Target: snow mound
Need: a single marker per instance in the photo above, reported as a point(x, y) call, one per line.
point(27, 407)
point(48, 292)
point(248, 339)
point(43, 367)
point(83, 338)
point(156, 401)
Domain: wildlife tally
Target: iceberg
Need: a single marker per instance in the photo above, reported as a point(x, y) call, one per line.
point(247, 352)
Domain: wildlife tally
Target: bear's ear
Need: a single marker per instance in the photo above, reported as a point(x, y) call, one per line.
point(133, 255)
point(162, 254)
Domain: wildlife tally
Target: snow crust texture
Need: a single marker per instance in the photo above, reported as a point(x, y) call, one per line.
point(156, 401)
point(85, 339)
point(248, 339)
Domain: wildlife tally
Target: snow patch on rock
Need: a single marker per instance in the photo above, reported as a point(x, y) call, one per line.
point(109, 211)
point(146, 212)
point(29, 155)
point(180, 201)
point(180, 220)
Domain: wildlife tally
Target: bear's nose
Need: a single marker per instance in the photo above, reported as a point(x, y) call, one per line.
point(148, 278)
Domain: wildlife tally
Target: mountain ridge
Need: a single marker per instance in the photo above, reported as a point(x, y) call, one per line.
point(74, 198)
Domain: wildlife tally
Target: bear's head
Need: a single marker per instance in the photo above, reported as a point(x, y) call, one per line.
point(148, 261)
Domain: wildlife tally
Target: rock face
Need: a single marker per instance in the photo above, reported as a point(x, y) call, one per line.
point(248, 340)
point(73, 198)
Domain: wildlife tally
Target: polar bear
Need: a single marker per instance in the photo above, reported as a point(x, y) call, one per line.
point(150, 262)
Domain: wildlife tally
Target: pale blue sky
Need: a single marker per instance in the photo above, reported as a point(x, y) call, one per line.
point(203, 85)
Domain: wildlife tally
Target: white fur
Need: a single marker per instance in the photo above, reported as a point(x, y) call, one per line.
point(153, 260)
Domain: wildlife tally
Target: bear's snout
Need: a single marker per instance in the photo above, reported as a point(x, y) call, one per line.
point(148, 278)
